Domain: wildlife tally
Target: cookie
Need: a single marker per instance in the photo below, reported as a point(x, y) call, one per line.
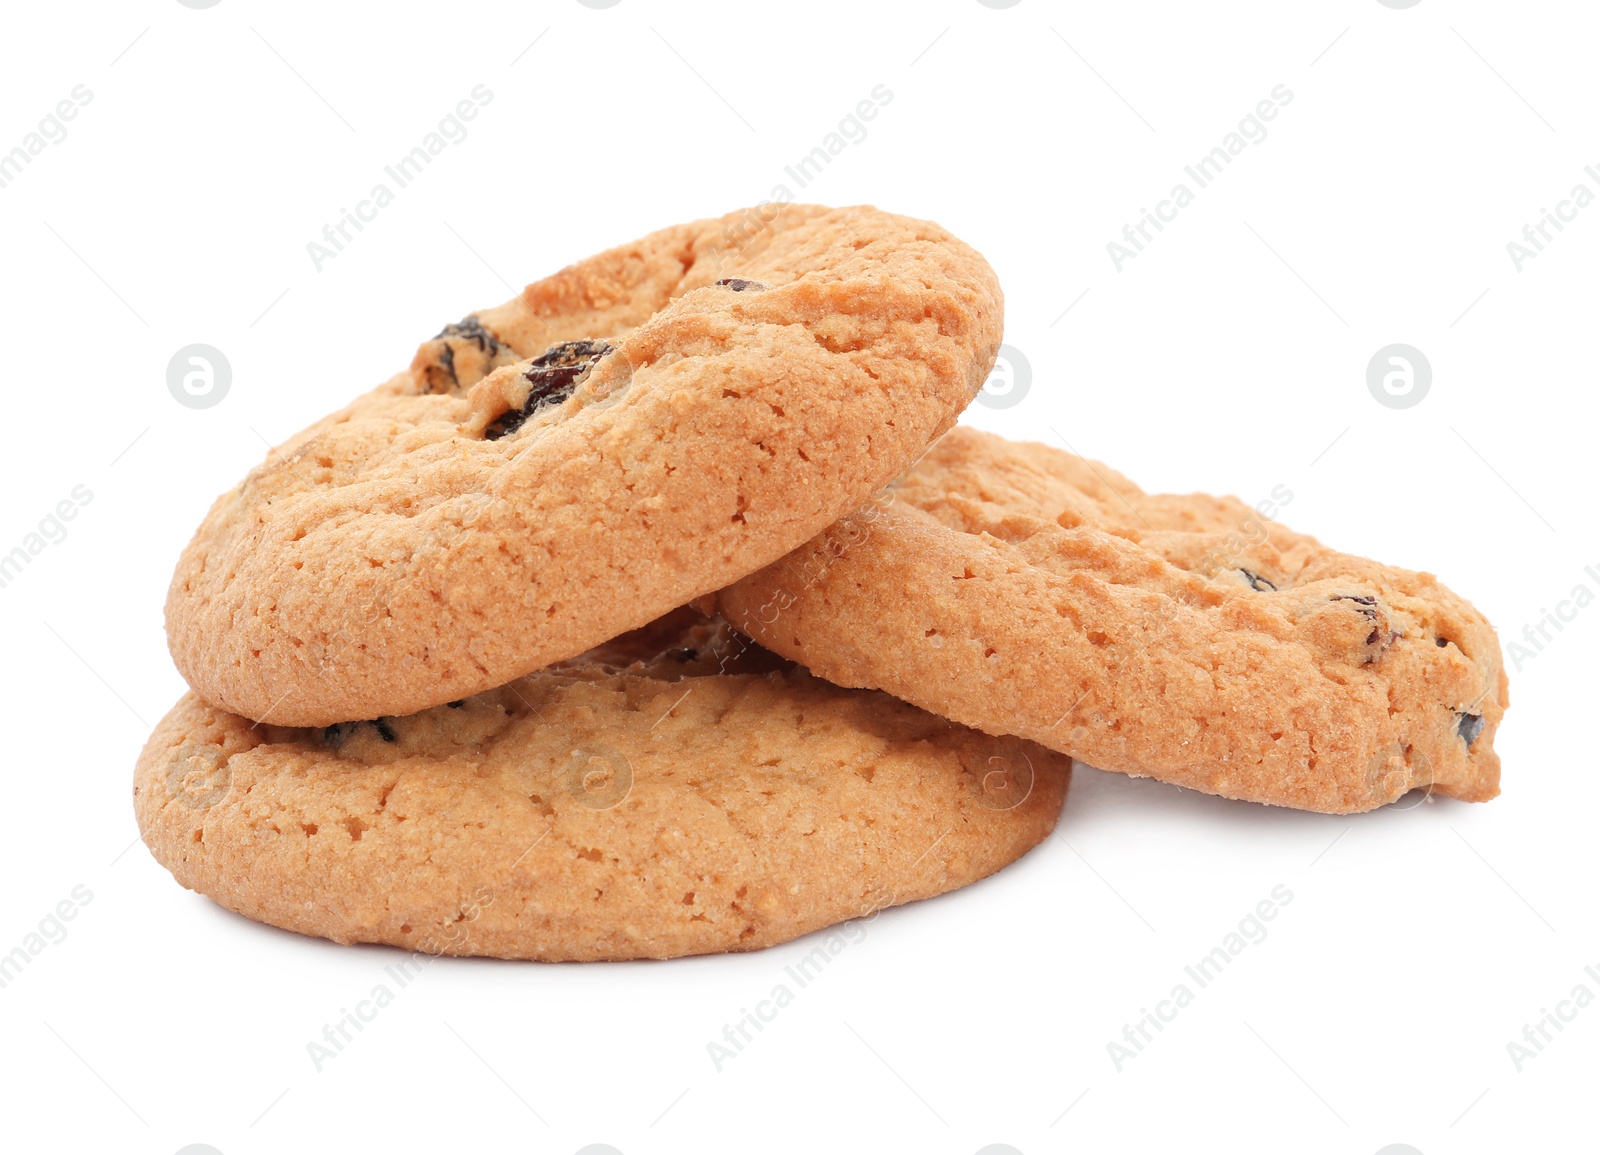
point(629, 434)
point(677, 791)
point(1021, 590)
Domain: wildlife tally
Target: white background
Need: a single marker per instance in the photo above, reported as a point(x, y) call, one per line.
point(1229, 356)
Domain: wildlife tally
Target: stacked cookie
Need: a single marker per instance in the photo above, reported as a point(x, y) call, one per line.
point(523, 652)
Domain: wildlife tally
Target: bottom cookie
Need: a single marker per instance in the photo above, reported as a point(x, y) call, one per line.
point(677, 791)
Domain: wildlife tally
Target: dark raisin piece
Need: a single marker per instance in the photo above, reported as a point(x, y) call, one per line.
point(447, 359)
point(385, 731)
point(1441, 642)
point(442, 375)
point(336, 734)
point(553, 376)
point(1469, 726)
point(471, 329)
point(457, 704)
point(1368, 604)
point(739, 284)
point(1257, 582)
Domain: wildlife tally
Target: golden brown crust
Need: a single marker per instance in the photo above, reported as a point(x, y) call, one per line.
point(675, 792)
point(1021, 590)
point(397, 555)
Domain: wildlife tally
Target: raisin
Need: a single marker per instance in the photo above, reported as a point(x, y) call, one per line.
point(442, 376)
point(553, 375)
point(739, 284)
point(1441, 642)
point(469, 328)
point(1257, 582)
point(1368, 604)
point(1469, 726)
point(336, 734)
point(457, 704)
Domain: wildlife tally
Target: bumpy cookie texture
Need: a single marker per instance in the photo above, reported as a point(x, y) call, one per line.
point(629, 434)
point(1022, 590)
point(676, 791)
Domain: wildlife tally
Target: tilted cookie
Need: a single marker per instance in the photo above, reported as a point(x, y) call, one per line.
point(623, 437)
point(676, 792)
point(1026, 591)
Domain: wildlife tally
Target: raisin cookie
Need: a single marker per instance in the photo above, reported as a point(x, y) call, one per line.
point(629, 434)
point(677, 791)
point(1021, 590)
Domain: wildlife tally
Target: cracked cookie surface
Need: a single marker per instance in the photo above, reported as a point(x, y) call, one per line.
point(629, 434)
point(1023, 590)
point(675, 791)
